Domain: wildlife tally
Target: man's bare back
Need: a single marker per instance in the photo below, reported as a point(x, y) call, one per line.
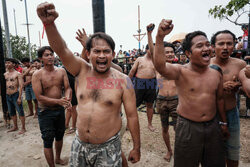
point(143, 68)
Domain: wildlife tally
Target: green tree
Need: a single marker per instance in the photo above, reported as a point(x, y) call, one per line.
point(234, 7)
point(19, 47)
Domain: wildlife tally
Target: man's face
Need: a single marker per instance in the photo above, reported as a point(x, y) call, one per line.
point(200, 51)
point(100, 55)
point(26, 64)
point(48, 58)
point(169, 53)
point(224, 45)
point(183, 58)
point(9, 65)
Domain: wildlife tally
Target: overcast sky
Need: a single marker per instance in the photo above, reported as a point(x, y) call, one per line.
point(121, 19)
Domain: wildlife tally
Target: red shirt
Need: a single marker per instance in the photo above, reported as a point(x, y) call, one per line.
point(19, 69)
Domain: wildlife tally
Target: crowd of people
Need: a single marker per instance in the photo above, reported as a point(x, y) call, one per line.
point(196, 82)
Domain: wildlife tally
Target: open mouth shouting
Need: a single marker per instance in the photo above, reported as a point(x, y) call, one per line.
point(206, 56)
point(225, 53)
point(101, 63)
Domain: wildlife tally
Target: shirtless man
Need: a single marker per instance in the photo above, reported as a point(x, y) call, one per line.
point(14, 88)
point(48, 84)
point(167, 99)
point(28, 71)
point(223, 44)
point(198, 137)
point(100, 92)
point(37, 64)
point(82, 38)
point(145, 84)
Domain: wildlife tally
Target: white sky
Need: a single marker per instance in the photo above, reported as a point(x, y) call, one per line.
point(121, 19)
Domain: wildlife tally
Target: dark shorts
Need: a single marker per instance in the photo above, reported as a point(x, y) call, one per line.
point(52, 125)
point(166, 106)
point(13, 106)
point(198, 142)
point(107, 154)
point(74, 99)
point(233, 142)
point(145, 90)
point(29, 93)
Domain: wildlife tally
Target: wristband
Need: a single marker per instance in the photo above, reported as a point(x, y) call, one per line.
point(223, 123)
point(44, 27)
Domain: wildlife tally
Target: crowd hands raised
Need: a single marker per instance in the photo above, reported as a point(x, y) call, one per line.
point(195, 81)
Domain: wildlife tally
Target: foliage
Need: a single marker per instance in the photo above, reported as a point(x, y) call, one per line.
point(226, 12)
point(19, 47)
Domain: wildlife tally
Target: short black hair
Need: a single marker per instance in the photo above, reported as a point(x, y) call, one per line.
point(187, 42)
point(42, 50)
point(36, 60)
point(100, 35)
point(11, 60)
point(25, 59)
point(167, 44)
point(213, 39)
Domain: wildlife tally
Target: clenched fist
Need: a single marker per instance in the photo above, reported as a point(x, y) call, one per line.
point(47, 13)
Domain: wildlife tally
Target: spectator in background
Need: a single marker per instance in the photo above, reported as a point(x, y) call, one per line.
point(120, 57)
point(14, 89)
point(28, 71)
point(244, 28)
point(17, 66)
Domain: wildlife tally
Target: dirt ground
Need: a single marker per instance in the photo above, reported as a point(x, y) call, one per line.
point(26, 150)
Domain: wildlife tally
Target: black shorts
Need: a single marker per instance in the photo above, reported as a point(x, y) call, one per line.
point(52, 125)
point(145, 90)
point(74, 99)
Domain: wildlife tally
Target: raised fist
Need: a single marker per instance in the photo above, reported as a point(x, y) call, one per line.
point(150, 27)
point(165, 27)
point(47, 13)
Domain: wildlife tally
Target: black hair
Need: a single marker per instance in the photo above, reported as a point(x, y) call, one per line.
point(11, 60)
point(36, 60)
point(187, 42)
point(100, 35)
point(42, 50)
point(167, 44)
point(213, 39)
point(25, 59)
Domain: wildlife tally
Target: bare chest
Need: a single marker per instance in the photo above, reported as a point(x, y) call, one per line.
point(146, 65)
point(103, 91)
point(199, 84)
point(51, 79)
